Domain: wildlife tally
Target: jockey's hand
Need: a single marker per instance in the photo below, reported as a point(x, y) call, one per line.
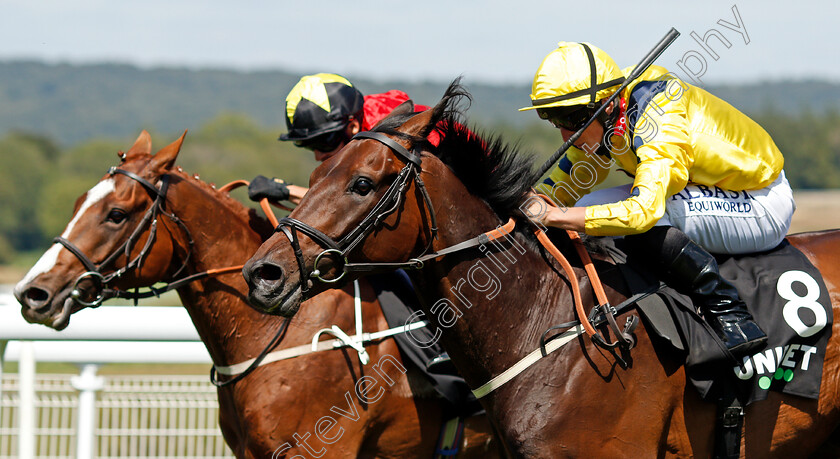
point(274, 189)
point(546, 213)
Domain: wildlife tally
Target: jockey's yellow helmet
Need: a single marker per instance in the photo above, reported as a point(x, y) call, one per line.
point(574, 74)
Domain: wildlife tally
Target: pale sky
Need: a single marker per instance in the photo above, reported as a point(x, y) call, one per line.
point(487, 41)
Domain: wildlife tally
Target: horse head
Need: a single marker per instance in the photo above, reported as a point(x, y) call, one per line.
point(110, 241)
point(378, 204)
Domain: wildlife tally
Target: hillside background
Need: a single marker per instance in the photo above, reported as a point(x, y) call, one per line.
point(61, 126)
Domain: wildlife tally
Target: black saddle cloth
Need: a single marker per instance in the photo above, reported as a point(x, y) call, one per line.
point(399, 302)
point(788, 299)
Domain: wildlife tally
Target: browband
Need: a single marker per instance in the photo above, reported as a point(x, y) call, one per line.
point(390, 143)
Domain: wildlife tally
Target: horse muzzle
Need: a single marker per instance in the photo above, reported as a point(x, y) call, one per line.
point(268, 289)
point(40, 306)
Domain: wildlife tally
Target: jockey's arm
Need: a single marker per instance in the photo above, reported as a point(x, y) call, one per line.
point(655, 181)
point(664, 156)
point(661, 172)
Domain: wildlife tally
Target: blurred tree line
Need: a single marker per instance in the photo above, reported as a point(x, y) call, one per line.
point(40, 181)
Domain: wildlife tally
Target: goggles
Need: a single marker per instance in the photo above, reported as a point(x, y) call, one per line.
point(569, 118)
point(327, 142)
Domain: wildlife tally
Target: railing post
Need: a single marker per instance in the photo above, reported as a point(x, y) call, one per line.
point(3, 344)
point(26, 395)
point(87, 383)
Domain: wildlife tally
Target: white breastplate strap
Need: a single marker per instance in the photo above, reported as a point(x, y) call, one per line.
point(526, 362)
point(342, 340)
point(339, 333)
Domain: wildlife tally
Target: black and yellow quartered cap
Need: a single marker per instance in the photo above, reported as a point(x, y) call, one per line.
point(319, 104)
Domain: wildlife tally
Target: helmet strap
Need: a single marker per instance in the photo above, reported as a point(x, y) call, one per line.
point(593, 76)
point(608, 121)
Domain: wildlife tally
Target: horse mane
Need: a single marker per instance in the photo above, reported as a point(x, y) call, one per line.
point(490, 168)
point(255, 220)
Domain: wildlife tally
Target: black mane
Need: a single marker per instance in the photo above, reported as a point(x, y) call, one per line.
point(490, 168)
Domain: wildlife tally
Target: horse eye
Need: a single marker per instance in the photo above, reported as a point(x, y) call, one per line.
point(362, 186)
point(116, 216)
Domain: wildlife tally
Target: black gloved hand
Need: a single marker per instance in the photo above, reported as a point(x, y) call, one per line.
point(274, 189)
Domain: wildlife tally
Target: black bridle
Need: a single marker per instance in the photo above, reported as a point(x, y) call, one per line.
point(150, 220)
point(388, 204)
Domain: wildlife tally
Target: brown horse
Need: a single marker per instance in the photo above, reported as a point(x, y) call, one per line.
point(310, 403)
point(493, 304)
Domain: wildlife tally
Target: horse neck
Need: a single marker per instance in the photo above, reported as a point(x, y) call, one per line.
point(501, 294)
point(231, 330)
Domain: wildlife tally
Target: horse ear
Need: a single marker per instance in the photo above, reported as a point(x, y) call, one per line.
point(143, 145)
point(404, 108)
point(165, 158)
point(419, 124)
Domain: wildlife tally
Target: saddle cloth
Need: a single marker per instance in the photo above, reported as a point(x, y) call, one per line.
point(789, 301)
point(399, 302)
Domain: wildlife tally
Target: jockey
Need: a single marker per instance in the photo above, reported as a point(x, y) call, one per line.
point(323, 112)
point(706, 177)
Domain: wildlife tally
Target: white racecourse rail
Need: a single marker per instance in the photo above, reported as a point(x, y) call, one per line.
point(88, 416)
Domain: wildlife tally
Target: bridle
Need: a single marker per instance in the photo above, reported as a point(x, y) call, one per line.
point(150, 219)
point(388, 204)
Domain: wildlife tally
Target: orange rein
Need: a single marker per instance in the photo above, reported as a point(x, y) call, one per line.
point(264, 202)
point(594, 279)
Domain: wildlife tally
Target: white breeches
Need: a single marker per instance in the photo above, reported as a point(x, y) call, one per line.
point(721, 221)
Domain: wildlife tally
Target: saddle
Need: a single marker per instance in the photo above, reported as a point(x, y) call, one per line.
point(783, 291)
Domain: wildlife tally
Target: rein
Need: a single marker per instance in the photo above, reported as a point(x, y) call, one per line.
point(150, 219)
point(389, 203)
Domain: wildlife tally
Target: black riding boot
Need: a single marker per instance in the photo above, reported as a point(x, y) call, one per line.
point(693, 271)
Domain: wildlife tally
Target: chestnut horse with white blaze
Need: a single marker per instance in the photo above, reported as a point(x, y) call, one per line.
point(311, 404)
point(393, 200)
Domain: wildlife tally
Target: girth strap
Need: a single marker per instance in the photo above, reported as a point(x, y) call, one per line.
point(728, 423)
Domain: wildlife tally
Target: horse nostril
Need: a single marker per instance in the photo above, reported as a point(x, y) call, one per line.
point(270, 272)
point(36, 297)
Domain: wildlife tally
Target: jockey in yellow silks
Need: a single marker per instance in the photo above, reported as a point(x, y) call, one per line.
point(707, 178)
